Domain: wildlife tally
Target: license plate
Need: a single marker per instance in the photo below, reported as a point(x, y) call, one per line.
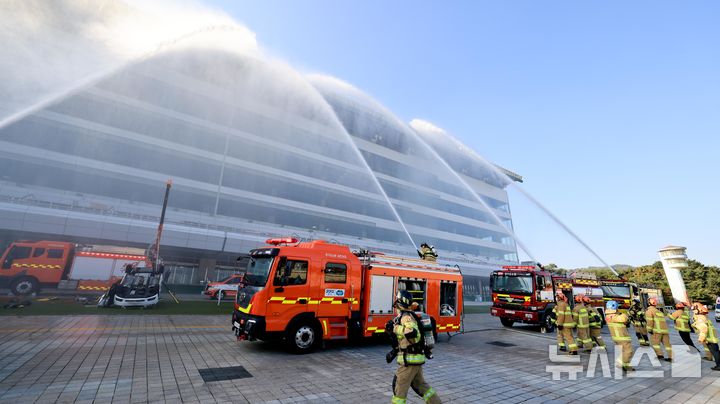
point(509, 311)
point(236, 324)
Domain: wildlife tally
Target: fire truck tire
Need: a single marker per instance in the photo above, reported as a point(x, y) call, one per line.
point(506, 322)
point(24, 286)
point(546, 325)
point(302, 336)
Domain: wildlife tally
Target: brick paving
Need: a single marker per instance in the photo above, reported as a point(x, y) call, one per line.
point(151, 358)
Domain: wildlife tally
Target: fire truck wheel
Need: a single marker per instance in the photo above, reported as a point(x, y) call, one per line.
point(24, 286)
point(302, 337)
point(506, 322)
point(547, 325)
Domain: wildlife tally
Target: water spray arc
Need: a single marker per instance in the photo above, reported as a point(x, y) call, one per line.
point(96, 78)
point(477, 197)
point(512, 183)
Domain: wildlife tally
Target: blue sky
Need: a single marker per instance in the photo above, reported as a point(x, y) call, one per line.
point(610, 110)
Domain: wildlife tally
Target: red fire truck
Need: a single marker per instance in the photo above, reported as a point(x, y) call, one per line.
point(303, 293)
point(526, 294)
point(29, 265)
point(625, 292)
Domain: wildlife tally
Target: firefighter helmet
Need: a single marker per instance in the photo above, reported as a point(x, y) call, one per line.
point(702, 309)
point(679, 305)
point(403, 300)
point(652, 301)
point(611, 305)
point(579, 298)
point(561, 296)
point(586, 299)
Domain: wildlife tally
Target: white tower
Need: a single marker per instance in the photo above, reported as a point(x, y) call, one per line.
point(674, 260)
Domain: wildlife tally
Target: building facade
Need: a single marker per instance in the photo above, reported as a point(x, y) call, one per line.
point(255, 150)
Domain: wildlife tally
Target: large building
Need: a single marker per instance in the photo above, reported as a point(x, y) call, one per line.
point(255, 150)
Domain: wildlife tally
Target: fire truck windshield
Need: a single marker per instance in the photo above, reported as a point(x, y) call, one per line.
point(257, 270)
point(512, 283)
point(616, 291)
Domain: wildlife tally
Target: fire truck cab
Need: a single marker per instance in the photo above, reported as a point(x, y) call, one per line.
point(28, 265)
point(625, 292)
point(303, 293)
point(524, 294)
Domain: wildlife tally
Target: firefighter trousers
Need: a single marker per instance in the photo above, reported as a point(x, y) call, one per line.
point(657, 339)
point(715, 351)
point(627, 353)
point(560, 340)
point(567, 336)
point(412, 376)
point(685, 336)
point(583, 338)
point(708, 354)
point(642, 337)
point(595, 336)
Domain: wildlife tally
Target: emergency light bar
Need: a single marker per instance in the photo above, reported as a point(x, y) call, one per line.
point(286, 240)
point(519, 267)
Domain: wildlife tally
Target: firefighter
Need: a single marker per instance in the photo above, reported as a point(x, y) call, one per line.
point(637, 316)
point(427, 252)
point(595, 323)
point(558, 334)
point(582, 319)
point(682, 323)
point(618, 324)
point(411, 354)
point(565, 323)
point(658, 329)
point(707, 335)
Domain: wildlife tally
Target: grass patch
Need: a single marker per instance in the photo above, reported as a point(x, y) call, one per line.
point(63, 307)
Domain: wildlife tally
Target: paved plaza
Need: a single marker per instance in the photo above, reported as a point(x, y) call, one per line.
point(141, 358)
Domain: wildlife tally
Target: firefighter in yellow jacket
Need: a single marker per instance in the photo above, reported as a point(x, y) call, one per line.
point(427, 252)
point(595, 323)
point(637, 317)
point(657, 327)
point(682, 323)
point(582, 321)
point(411, 355)
point(565, 322)
point(618, 324)
point(707, 334)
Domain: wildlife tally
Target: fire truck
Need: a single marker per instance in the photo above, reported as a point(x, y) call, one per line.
point(29, 265)
point(305, 293)
point(526, 294)
point(625, 292)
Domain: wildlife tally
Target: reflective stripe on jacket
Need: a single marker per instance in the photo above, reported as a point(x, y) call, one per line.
point(564, 315)
point(637, 316)
point(580, 315)
point(705, 329)
point(656, 319)
point(682, 320)
point(407, 326)
point(595, 320)
point(618, 329)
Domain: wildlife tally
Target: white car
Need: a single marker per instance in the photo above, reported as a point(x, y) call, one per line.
point(717, 312)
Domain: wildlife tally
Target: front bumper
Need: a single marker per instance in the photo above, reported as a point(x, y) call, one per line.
point(248, 327)
point(520, 316)
point(136, 302)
